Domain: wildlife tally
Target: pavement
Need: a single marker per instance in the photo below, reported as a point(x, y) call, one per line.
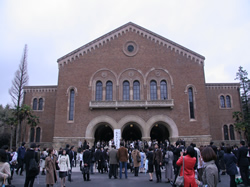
point(103, 180)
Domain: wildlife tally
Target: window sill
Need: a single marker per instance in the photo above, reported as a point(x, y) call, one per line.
point(169, 103)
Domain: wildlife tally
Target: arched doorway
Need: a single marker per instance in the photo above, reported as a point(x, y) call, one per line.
point(159, 132)
point(131, 132)
point(103, 133)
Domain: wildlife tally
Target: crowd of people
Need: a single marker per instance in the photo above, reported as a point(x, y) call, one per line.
point(198, 166)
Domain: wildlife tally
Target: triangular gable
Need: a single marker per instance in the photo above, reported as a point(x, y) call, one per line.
point(130, 27)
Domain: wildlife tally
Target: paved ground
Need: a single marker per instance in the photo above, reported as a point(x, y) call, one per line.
point(103, 180)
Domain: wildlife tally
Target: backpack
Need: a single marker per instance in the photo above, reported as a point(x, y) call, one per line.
point(33, 165)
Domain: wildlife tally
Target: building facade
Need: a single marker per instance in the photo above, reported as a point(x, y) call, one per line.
point(135, 81)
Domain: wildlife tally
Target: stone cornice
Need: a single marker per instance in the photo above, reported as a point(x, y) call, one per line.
point(130, 27)
point(212, 86)
point(40, 89)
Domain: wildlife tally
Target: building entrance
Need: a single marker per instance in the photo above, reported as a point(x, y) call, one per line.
point(103, 133)
point(159, 132)
point(131, 132)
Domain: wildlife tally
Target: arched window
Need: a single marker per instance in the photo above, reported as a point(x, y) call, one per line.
point(109, 91)
point(126, 91)
point(98, 93)
point(32, 134)
point(226, 132)
point(40, 104)
point(222, 101)
point(34, 104)
point(38, 134)
point(191, 102)
point(153, 90)
point(231, 129)
point(136, 90)
point(164, 93)
point(71, 104)
point(228, 100)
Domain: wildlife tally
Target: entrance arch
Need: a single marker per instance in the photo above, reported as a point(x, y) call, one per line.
point(131, 131)
point(103, 133)
point(159, 132)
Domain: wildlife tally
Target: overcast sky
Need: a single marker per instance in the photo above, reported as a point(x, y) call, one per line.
point(218, 30)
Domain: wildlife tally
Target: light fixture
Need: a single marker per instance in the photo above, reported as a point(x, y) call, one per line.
point(156, 125)
point(131, 125)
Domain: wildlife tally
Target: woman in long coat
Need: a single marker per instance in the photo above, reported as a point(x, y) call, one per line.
point(64, 166)
point(137, 164)
point(50, 166)
point(189, 162)
point(169, 173)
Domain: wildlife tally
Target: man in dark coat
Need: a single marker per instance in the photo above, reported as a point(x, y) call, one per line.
point(30, 176)
point(243, 163)
point(71, 156)
point(99, 159)
point(20, 158)
point(86, 159)
point(157, 162)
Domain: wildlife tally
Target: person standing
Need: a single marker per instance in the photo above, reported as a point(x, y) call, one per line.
point(243, 163)
point(50, 166)
point(230, 160)
point(71, 156)
point(122, 155)
point(86, 160)
point(113, 162)
point(150, 156)
point(169, 172)
point(20, 159)
point(157, 158)
point(64, 165)
point(135, 155)
point(13, 161)
point(30, 175)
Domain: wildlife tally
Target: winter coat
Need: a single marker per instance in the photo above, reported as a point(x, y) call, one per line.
point(134, 155)
point(210, 174)
point(30, 153)
point(4, 170)
point(189, 173)
point(50, 166)
point(230, 161)
point(122, 154)
point(64, 164)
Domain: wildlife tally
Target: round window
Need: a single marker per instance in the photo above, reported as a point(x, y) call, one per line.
point(130, 48)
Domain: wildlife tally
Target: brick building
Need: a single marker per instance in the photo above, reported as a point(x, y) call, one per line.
point(136, 81)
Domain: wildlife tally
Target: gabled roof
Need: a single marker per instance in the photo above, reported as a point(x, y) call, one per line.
point(130, 27)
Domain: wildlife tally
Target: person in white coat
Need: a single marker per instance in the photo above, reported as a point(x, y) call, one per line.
point(64, 165)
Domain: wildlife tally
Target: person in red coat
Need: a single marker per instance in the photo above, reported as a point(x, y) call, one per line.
point(189, 162)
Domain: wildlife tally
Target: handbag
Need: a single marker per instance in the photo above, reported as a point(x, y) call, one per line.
point(180, 179)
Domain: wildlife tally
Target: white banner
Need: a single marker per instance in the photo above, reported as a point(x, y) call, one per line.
point(117, 137)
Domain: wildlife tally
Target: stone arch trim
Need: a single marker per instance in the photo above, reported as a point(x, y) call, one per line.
point(92, 126)
point(101, 70)
point(168, 122)
point(133, 118)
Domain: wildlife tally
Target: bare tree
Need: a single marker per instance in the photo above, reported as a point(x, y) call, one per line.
point(16, 91)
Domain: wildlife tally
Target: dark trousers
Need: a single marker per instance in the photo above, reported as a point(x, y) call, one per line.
point(136, 171)
point(100, 166)
point(244, 174)
point(29, 181)
point(232, 181)
point(112, 170)
point(86, 173)
point(20, 166)
point(158, 171)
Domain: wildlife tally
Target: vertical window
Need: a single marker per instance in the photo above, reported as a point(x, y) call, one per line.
point(98, 93)
point(164, 93)
point(125, 90)
point(40, 104)
point(231, 129)
point(153, 90)
point(71, 105)
point(32, 134)
point(228, 100)
point(191, 102)
point(38, 134)
point(109, 91)
point(226, 132)
point(222, 101)
point(136, 90)
point(34, 104)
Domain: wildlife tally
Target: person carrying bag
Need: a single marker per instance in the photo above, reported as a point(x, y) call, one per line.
point(180, 179)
